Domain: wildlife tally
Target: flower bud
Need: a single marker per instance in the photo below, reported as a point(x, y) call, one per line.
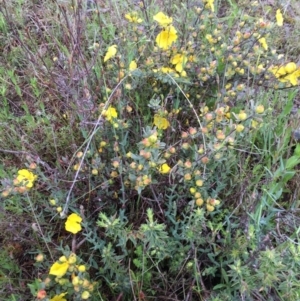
point(210, 208)
point(188, 177)
point(199, 183)
point(239, 128)
point(81, 268)
point(242, 115)
point(39, 258)
point(192, 190)
point(52, 202)
point(199, 202)
point(185, 145)
point(259, 109)
point(205, 160)
point(153, 138)
point(94, 172)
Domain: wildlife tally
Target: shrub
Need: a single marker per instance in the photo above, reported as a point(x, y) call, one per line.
point(163, 176)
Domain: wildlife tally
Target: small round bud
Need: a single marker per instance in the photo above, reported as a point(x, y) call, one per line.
point(259, 109)
point(72, 258)
point(239, 128)
point(81, 268)
point(205, 160)
point(85, 295)
point(39, 258)
point(210, 208)
point(79, 154)
point(52, 202)
point(242, 115)
point(188, 177)
point(199, 183)
point(94, 172)
point(199, 202)
point(192, 190)
point(62, 258)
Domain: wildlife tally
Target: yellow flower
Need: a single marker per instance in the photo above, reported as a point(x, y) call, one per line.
point(288, 73)
point(133, 18)
point(59, 269)
point(162, 123)
point(263, 43)
point(167, 70)
point(111, 52)
point(132, 66)
point(210, 4)
point(179, 60)
point(278, 71)
point(26, 177)
point(162, 19)
point(73, 223)
point(59, 297)
point(110, 113)
point(210, 39)
point(166, 37)
point(164, 169)
point(279, 18)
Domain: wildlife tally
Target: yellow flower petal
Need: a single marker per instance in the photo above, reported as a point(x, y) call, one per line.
point(290, 67)
point(59, 297)
point(179, 60)
point(164, 169)
point(166, 37)
point(26, 177)
point(279, 17)
point(293, 78)
point(110, 113)
point(162, 123)
point(263, 43)
point(73, 223)
point(210, 4)
point(133, 17)
point(183, 73)
point(278, 71)
point(162, 19)
point(59, 269)
point(111, 52)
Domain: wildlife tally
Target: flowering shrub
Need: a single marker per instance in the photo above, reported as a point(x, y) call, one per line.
point(167, 129)
point(70, 276)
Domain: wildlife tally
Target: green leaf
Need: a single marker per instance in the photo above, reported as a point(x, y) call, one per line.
point(288, 176)
point(297, 150)
point(292, 162)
